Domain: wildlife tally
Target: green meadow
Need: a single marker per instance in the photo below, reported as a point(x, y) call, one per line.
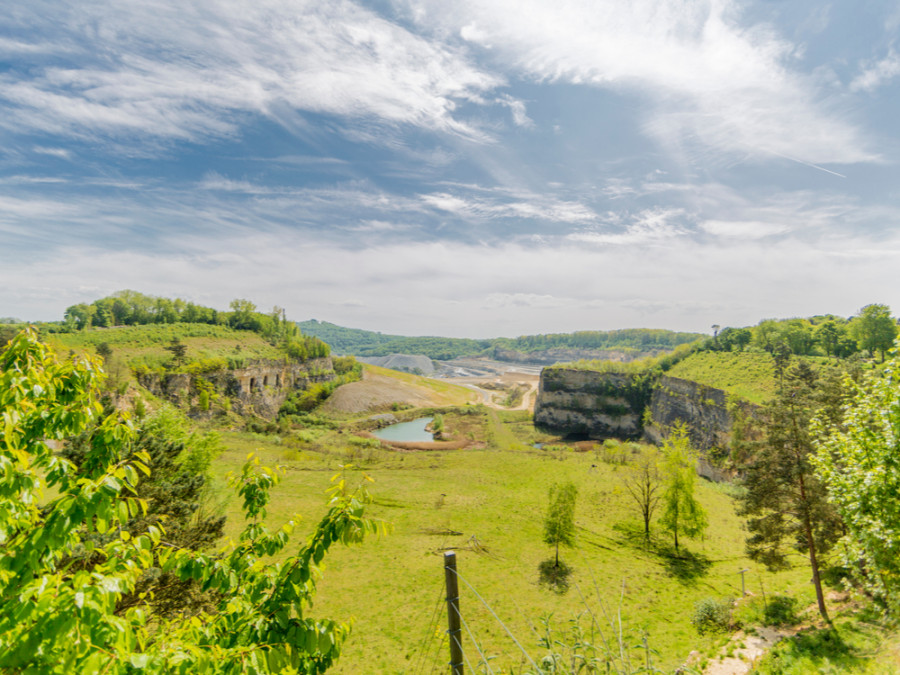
point(488, 505)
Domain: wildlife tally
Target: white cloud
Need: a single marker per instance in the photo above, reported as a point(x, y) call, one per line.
point(738, 229)
point(188, 70)
point(648, 227)
point(516, 205)
point(712, 80)
point(62, 153)
point(563, 287)
point(877, 74)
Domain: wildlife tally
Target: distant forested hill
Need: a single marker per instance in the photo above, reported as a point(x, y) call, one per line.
point(367, 343)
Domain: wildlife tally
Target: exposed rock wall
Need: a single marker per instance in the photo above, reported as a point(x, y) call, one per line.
point(703, 410)
point(579, 403)
point(589, 404)
point(259, 387)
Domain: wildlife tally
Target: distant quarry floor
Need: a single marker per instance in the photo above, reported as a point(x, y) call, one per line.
point(381, 388)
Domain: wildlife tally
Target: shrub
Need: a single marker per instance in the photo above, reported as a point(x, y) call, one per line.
point(712, 615)
point(781, 611)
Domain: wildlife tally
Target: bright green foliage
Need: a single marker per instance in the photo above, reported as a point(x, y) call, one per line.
point(874, 328)
point(559, 525)
point(56, 617)
point(682, 513)
point(859, 462)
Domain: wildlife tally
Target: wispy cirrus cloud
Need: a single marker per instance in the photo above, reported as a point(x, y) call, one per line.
point(188, 71)
point(877, 73)
point(711, 80)
point(526, 206)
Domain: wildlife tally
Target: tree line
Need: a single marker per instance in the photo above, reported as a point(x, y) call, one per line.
point(369, 343)
point(130, 308)
point(871, 330)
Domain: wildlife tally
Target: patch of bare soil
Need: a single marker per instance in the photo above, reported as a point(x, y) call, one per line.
point(755, 646)
point(743, 658)
point(494, 389)
point(423, 445)
point(379, 392)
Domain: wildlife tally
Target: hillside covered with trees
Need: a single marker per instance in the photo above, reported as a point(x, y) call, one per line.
point(367, 343)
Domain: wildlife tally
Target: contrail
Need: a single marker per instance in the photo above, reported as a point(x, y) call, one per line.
point(814, 166)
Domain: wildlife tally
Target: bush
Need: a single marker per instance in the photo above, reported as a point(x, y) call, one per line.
point(781, 611)
point(712, 615)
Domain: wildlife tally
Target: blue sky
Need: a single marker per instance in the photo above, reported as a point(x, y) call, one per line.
point(467, 168)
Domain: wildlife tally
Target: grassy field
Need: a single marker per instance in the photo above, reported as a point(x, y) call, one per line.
point(488, 505)
point(146, 344)
point(750, 376)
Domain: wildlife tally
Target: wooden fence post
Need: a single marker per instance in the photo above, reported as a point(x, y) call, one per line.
point(453, 618)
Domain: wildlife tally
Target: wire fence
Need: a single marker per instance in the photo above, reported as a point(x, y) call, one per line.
point(600, 646)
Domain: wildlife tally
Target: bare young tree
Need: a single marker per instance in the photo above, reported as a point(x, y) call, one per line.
point(643, 482)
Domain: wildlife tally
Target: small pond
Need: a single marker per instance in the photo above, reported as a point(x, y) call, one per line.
point(410, 432)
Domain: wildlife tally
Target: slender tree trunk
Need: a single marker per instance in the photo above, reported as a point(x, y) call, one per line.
point(813, 560)
point(557, 552)
point(807, 521)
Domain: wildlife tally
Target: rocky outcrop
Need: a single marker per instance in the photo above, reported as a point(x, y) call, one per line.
point(258, 387)
point(703, 410)
point(588, 404)
point(613, 405)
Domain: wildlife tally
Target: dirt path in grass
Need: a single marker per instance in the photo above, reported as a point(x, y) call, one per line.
point(743, 658)
point(507, 379)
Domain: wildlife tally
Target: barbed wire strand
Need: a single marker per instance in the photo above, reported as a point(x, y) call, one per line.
point(499, 620)
point(465, 658)
point(423, 648)
point(484, 659)
point(436, 661)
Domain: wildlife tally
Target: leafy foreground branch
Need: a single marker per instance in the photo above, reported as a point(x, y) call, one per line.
point(58, 615)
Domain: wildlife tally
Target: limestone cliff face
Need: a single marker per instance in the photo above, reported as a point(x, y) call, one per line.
point(259, 387)
point(590, 404)
point(703, 410)
point(578, 402)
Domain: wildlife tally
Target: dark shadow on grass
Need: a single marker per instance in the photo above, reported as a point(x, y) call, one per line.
point(555, 577)
point(684, 565)
point(817, 648)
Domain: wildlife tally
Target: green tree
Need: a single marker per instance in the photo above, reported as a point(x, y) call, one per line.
point(243, 315)
point(80, 316)
point(798, 335)
point(765, 335)
point(559, 524)
point(828, 335)
point(59, 618)
point(682, 513)
point(178, 349)
point(874, 329)
point(177, 500)
point(735, 338)
point(857, 460)
point(785, 504)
